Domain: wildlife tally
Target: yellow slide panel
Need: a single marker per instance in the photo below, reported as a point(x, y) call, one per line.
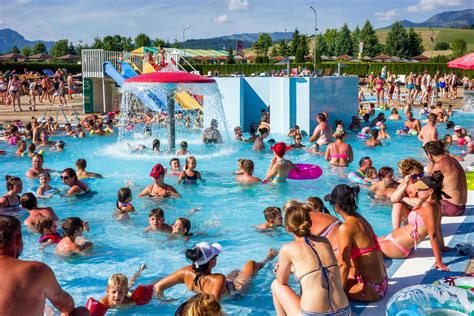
point(186, 101)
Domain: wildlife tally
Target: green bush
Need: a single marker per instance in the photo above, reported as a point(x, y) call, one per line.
point(39, 66)
point(442, 46)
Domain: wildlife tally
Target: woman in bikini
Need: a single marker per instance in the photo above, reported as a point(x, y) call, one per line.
point(363, 273)
point(315, 267)
point(423, 221)
point(339, 153)
point(198, 276)
point(379, 92)
point(159, 188)
point(279, 167)
point(76, 186)
point(323, 132)
point(14, 87)
point(10, 202)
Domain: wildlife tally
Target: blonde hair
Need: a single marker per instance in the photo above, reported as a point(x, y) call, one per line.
point(408, 165)
point(189, 159)
point(297, 218)
point(202, 304)
point(117, 280)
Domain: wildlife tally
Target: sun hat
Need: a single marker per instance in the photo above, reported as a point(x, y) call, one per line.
point(157, 171)
point(209, 251)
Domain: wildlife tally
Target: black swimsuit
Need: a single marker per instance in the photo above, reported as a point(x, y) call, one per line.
point(10, 207)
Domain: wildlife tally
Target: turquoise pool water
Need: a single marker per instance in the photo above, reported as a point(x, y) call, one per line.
point(228, 211)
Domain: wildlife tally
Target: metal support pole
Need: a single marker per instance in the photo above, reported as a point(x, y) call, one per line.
point(315, 41)
point(184, 40)
point(171, 123)
point(103, 93)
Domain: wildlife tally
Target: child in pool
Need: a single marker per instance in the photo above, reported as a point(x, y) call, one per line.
point(183, 149)
point(258, 144)
point(31, 150)
point(273, 217)
point(46, 226)
point(58, 146)
point(373, 141)
point(371, 175)
point(81, 165)
point(123, 205)
point(30, 203)
point(72, 243)
point(239, 167)
point(314, 149)
point(175, 167)
point(181, 227)
point(118, 293)
point(45, 190)
point(247, 175)
point(21, 151)
point(156, 219)
point(189, 174)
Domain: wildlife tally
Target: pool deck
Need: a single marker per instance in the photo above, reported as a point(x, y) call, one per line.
point(418, 267)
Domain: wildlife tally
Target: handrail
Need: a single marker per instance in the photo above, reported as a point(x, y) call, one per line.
point(188, 63)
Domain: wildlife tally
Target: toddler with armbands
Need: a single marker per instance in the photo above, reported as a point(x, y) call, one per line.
point(119, 294)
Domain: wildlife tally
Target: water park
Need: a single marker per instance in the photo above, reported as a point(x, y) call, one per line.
point(159, 190)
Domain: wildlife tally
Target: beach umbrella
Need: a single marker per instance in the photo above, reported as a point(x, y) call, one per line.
point(464, 62)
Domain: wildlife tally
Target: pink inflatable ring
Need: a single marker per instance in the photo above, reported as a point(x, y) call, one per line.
point(305, 172)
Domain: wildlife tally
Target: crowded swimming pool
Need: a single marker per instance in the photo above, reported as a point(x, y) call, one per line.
point(228, 211)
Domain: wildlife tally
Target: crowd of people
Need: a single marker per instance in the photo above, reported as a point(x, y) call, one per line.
point(336, 257)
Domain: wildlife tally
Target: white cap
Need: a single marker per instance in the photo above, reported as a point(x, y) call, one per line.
point(457, 127)
point(209, 251)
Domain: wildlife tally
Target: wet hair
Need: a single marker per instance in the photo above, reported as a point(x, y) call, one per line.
point(395, 111)
point(9, 227)
point(435, 148)
point(247, 166)
point(366, 116)
point(237, 128)
point(193, 255)
point(123, 195)
point(186, 225)
point(271, 213)
point(374, 133)
point(118, 280)
point(345, 198)
point(81, 164)
point(158, 212)
point(252, 129)
point(432, 117)
point(435, 182)
point(43, 224)
point(11, 181)
point(202, 304)
point(71, 225)
point(263, 130)
point(31, 148)
point(22, 144)
point(439, 103)
point(29, 201)
point(370, 171)
point(37, 156)
point(156, 143)
point(321, 117)
point(70, 172)
point(339, 134)
point(174, 159)
point(60, 144)
point(188, 160)
point(449, 124)
point(408, 165)
point(44, 174)
point(317, 204)
point(384, 171)
point(183, 144)
point(297, 219)
point(362, 160)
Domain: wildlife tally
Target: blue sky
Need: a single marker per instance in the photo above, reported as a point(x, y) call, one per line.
point(84, 19)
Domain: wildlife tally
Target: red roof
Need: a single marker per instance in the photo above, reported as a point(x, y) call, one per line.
point(169, 77)
point(464, 62)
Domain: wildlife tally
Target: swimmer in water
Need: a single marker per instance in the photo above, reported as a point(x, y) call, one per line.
point(156, 219)
point(273, 218)
point(69, 245)
point(279, 167)
point(258, 144)
point(45, 190)
point(81, 165)
point(21, 151)
point(175, 167)
point(373, 141)
point(58, 146)
point(371, 175)
point(123, 205)
point(156, 145)
point(247, 168)
point(182, 227)
point(30, 203)
point(159, 188)
point(239, 170)
point(183, 149)
point(189, 174)
point(47, 227)
point(297, 144)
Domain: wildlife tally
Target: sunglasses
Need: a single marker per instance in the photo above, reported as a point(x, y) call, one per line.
point(418, 176)
point(65, 177)
point(298, 138)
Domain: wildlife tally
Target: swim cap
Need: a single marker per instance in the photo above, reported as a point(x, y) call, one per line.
point(280, 148)
point(157, 171)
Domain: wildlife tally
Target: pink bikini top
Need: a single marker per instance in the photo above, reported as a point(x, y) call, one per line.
point(416, 220)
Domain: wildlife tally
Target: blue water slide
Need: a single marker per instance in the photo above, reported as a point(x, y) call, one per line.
point(127, 70)
point(148, 98)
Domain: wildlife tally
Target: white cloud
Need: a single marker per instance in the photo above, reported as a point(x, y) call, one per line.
point(430, 5)
point(238, 5)
point(223, 19)
point(387, 15)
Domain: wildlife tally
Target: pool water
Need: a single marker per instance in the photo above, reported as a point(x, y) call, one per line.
point(228, 211)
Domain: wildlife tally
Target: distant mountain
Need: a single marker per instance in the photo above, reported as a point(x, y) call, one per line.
point(448, 19)
point(229, 41)
point(10, 38)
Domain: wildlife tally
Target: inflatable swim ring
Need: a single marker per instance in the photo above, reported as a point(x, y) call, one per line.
point(357, 177)
point(470, 180)
point(431, 299)
point(305, 172)
point(463, 282)
point(361, 135)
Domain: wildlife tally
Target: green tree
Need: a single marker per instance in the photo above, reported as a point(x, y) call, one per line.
point(72, 49)
point(230, 57)
point(80, 46)
point(98, 43)
point(174, 45)
point(283, 49)
point(142, 40)
point(415, 47)
point(262, 45)
point(294, 42)
point(158, 43)
point(372, 46)
point(302, 49)
point(397, 41)
point(343, 44)
point(321, 46)
point(39, 48)
point(15, 50)
point(355, 41)
point(330, 37)
point(26, 51)
point(274, 51)
point(459, 47)
point(60, 48)
point(127, 43)
point(112, 43)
